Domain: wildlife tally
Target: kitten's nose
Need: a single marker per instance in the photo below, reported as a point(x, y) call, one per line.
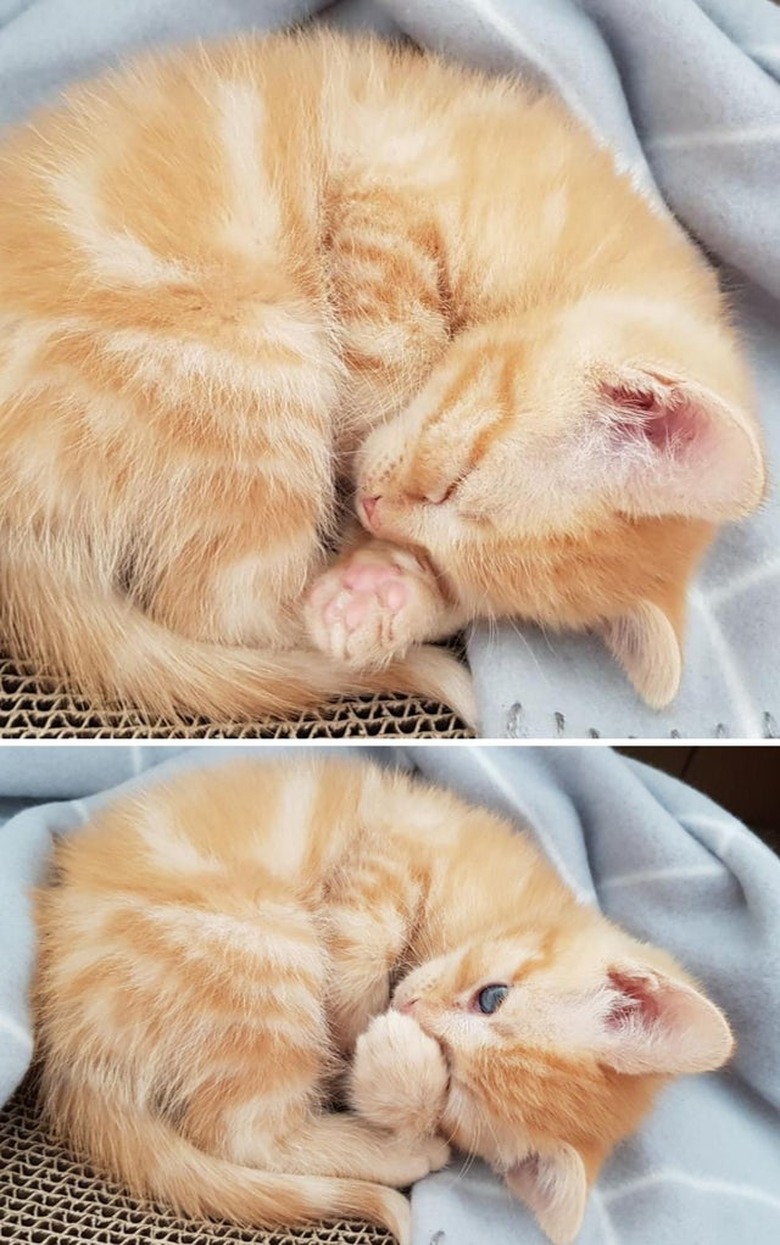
point(408, 1006)
point(369, 505)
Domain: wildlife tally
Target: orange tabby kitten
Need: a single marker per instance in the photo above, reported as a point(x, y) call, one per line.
point(218, 950)
point(236, 279)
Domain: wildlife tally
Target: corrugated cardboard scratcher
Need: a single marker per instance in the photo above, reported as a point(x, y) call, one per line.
point(36, 708)
point(49, 1197)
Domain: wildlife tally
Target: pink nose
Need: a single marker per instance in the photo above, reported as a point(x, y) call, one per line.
point(369, 505)
point(408, 1006)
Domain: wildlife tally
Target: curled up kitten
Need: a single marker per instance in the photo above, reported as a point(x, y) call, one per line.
point(221, 951)
point(239, 282)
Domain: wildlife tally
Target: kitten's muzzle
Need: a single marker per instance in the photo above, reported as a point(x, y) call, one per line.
point(407, 1007)
point(368, 506)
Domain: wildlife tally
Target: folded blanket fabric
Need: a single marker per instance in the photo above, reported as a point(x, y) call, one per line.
point(658, 857)
point(686, 91)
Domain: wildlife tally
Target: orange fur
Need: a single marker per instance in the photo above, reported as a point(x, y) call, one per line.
point(236, 278)
point(217, 953)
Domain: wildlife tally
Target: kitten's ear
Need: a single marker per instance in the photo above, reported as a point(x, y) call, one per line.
point(555, 1187)
point(648, 647)
point(656, 1023)
point(674, 447)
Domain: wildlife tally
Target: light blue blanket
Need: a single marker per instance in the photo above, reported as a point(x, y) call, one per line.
point(686, 91)
point(658, 857)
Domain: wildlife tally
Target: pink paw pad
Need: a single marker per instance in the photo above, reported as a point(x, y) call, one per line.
point(362, 588)
point(368, 576)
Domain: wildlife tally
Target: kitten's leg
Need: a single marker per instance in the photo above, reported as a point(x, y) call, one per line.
point(236, 584)
point(390, 294)
point(392, 301)
point(232, 570)
point(362, 992)
point(343, 1145)
point(399, 1077)
point(374, 603)
point(371, 916)
point(233, 533)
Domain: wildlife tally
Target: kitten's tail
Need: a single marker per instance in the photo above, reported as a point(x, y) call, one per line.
point(108, 651)
point(156, 1162)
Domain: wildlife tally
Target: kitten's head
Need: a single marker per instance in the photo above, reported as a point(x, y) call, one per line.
point(556, 1047)
point(569, 467)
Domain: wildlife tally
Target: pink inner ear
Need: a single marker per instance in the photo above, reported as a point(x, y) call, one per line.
point(670, 446)
point(656, 1023)
point(636, 1001)
point(660, 415)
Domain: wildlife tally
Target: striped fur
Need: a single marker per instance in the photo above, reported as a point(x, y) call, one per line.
point(237, 278)
point(218, 953)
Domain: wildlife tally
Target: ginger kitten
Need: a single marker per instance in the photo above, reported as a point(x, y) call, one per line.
point(220, 952)
point(240, 281)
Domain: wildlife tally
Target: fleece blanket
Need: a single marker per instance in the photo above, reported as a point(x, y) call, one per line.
point(686, 92)
point(658, 857)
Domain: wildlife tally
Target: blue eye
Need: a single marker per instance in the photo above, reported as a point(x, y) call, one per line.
point(490, 999)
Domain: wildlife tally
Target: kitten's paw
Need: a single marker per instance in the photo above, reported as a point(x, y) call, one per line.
point(399, 1076)
point(404, 1161)
point(371, 607)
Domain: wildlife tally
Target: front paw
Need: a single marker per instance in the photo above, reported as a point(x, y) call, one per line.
point(399, 1076)
point(371, 607)
point(406, 1160)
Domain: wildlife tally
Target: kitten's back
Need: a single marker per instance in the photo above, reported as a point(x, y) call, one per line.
point(180, 988)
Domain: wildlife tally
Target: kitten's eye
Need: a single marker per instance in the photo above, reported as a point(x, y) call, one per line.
point(490, 998)
point(434, 497)
point(438, 497)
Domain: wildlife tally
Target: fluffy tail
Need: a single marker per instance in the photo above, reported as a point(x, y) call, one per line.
point(157, 1163)
point(108, 650)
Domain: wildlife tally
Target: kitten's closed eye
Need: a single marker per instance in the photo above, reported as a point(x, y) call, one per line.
point(490, 998)
point(436, 494)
